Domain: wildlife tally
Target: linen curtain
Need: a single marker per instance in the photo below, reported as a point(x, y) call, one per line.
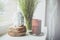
point(52, 19)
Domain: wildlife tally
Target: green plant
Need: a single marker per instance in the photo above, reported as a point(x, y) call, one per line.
point(28, 7)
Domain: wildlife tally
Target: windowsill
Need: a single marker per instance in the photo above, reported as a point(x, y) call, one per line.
point(28, 37)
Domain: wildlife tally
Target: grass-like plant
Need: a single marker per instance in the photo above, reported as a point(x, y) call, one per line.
point(28, 7)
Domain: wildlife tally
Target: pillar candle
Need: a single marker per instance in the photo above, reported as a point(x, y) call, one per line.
point(36, 26)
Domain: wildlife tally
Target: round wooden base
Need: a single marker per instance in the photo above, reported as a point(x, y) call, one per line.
point(17, 31)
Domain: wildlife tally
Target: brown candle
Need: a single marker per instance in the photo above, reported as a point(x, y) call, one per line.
point(36, 26)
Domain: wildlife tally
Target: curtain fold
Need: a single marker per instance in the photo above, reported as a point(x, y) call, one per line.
point(51, 19)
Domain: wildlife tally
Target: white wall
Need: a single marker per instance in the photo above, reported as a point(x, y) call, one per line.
point(10, 10)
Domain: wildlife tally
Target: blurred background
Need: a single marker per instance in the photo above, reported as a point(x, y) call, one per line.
point(8, 13)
